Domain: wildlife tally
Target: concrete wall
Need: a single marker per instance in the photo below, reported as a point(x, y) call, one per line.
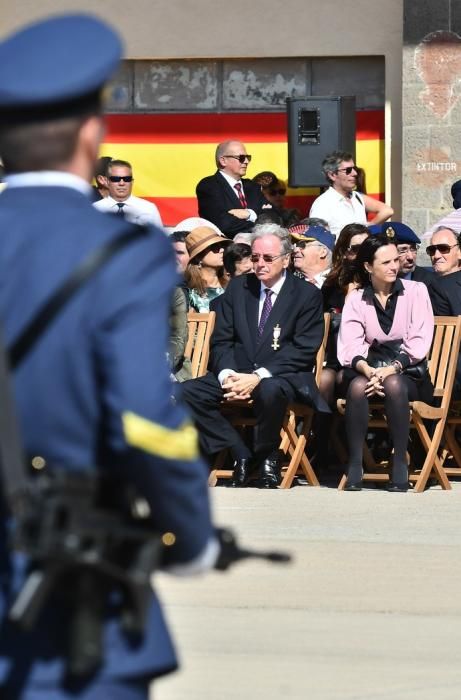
point(218, 29)
point(431, 109)
point(254, 84)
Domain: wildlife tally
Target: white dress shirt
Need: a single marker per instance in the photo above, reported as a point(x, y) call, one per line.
point(136, 210)
point(48, 178)
point(338, 210)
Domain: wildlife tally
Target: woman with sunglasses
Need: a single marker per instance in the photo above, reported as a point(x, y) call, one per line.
point(204, 274)
point(274, 190)
point(384, 313)
point(336, 287)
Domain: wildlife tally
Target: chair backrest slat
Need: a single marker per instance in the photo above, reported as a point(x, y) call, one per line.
point(320, 357)
point(200, 327)
point(443, 356)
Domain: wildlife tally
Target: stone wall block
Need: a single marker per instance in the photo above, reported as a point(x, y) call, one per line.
point(175, 85)
point(359, 76)
point(422, 17)
point(119, 92)
point(264, 83)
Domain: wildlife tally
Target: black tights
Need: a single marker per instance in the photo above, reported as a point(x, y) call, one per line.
point(398, 392)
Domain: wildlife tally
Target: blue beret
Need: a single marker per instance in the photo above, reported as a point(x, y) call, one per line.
point(57, 60)
point(395, 229)
point(314, 233)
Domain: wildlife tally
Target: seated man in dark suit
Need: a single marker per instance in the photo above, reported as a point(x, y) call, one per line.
point(229, 202)
point(445, 293)
point(267, 333)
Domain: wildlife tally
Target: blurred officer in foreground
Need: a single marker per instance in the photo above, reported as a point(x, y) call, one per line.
point(95, 388)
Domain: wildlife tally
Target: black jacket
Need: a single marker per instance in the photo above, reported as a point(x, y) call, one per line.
point(215, 197)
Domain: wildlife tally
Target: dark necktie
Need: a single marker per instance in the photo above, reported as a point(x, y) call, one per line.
point(120, 208)
point(267, 308)
point(241, 196)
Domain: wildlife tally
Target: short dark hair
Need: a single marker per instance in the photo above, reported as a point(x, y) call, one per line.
point(119, 164)
point(41, 145)
point(179, 236)
point(234, 253)
point(101, 166)
point(269, 216)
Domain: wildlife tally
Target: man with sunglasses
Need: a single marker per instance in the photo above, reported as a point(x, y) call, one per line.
point(227, 198)
point(445, 251)
point(340, 204)
point(445, 291)
point(312, 254)
point(407, 243)
point(120, 200)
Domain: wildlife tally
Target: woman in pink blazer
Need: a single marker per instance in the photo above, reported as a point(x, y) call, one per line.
point(385, 309)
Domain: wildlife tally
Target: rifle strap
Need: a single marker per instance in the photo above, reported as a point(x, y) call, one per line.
point(53, 305)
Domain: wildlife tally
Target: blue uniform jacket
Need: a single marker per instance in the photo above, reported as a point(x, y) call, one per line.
point(95, 391)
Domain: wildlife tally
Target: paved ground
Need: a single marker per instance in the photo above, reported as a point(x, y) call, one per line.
point(370, 607)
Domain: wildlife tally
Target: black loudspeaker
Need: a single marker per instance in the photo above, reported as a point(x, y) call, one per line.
point(317, 126)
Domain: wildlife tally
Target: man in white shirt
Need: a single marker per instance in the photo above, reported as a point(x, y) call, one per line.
point(340, 204)
point(120, 200)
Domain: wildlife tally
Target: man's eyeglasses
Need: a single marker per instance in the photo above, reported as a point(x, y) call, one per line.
point(267, 258)
point(273, 193)
point(407, 249)
point(119, 178)
point(443, 248)
point(241, 158)
point(354, 248)
point(303, 244)
point(347, 170)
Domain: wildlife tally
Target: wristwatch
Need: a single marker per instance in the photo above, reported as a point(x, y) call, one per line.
point(397, 366)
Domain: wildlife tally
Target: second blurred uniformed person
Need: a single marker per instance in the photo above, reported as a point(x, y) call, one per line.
point(95, 388)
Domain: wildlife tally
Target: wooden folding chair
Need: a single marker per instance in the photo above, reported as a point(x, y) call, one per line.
point(451, 452)
point(442, 361)
point(292, 444)
point(200, 327)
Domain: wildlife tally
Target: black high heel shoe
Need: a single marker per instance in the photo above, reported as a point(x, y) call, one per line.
point(354, 484)
point(395, 487)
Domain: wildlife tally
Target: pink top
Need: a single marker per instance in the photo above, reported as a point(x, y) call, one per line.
point(413, 321)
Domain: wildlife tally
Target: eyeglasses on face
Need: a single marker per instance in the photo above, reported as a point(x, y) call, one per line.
point(443, 248)
point(119, 178)
point(404, 250)
point(347, 170)
point(281, 192)
point(304, 244)
point(241, 158)
point(267, 258)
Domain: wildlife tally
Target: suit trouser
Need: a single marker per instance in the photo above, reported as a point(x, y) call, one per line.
point(204, 395)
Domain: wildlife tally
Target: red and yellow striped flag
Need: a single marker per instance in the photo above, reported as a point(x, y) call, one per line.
point(170, 153)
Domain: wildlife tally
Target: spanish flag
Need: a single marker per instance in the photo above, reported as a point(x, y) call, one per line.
point(170, 153)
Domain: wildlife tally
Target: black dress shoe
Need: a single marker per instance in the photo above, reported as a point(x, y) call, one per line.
point(269, 474)
point(354, 486)
point(242, 473)
point(397, 488)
